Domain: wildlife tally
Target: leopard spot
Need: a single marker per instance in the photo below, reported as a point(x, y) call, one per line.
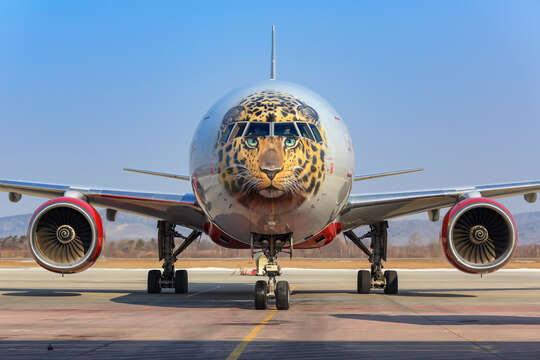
point(311, 185)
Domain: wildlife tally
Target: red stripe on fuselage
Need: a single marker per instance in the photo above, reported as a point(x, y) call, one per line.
point(326, 236)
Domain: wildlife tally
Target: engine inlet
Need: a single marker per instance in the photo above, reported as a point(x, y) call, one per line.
point(479, 235)
point(65, 235)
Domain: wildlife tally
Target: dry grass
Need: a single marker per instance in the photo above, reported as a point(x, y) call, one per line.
point(242, 263)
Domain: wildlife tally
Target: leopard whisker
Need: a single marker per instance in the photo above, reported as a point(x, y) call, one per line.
point(294, 186)
point(249, 186)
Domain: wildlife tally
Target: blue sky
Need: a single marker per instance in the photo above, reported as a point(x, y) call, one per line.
point(87, 88)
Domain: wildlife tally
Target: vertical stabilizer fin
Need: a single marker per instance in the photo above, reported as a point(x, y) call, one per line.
point(273, 64)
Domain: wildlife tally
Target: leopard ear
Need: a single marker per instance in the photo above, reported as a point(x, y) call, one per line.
point(233, 115)
point(308, 112)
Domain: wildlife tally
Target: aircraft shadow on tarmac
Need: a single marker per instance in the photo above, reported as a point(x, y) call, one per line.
point(213, 295)
point(478, 289)
point(445, 319)
point(227, 295)
point(201, 295)
point(57, 292)
point(457, 292)
point(41, 293)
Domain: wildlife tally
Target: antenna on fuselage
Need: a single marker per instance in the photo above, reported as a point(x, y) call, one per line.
point(273, 64)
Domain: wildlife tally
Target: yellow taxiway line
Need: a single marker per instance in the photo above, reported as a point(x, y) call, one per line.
point(239, 349)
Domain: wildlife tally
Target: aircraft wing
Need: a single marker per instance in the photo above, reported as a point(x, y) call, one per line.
point(179, 209)
point(371, 208)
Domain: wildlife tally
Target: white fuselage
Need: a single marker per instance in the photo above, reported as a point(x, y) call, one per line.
point(238, 220)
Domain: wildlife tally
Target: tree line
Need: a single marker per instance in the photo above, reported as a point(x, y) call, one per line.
point(17, 247)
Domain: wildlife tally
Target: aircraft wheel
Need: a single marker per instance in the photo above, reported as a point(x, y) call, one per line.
point(363, 282)
point(261, 292)
point(283, 295)
point(181, 282)
point(153, 282)
point(391, 278)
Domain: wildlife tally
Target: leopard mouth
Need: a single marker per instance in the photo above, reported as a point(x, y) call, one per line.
point(271, 192)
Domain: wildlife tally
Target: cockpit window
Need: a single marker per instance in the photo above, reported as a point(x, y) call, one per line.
point(238, 130)
point(226, 133)
point(262, 129)
point(285, 129)
point(258, 129)
point(304, 130)
point(316, 132)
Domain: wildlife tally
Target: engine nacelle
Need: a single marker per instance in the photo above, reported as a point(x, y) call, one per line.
point(65, 235)
point(479, 235)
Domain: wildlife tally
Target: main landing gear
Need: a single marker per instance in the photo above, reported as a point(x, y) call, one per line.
point(376, 278)
point(169, 278)
point(280, 290)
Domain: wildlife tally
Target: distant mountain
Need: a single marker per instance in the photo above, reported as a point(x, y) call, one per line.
point(13, 225)
point(401, 232)
point(126, 226)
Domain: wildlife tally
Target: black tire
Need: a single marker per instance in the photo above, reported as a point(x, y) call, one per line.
point(181, 282)
point(153, 282)
point(363, 282)
point(391, 279)
point(261, 292)
point(283, 295)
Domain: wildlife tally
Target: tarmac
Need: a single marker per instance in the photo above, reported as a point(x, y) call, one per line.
point(106, 313)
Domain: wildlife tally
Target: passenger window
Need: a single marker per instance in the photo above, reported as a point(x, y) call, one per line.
point(316, 132)
point(238, 130)
point(258, 129)
point(304, 130)
point(226, 133)
point(285, 129)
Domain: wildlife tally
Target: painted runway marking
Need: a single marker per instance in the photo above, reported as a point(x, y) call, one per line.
point(240, 348)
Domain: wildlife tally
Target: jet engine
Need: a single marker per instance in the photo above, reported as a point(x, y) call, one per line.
point(479, 235)
point(65, 235)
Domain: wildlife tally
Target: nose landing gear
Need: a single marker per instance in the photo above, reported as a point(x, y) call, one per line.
point(280, 290)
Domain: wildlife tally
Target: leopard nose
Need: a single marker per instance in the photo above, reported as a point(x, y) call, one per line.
point(271, 173)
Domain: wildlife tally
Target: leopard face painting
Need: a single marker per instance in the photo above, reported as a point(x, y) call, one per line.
point(271, 151)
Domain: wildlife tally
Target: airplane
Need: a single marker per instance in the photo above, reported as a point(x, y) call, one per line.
point(271, 168)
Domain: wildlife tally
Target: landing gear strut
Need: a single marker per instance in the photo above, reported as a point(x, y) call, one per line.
point(271, 246)
point(169, 278)
point(376, 278)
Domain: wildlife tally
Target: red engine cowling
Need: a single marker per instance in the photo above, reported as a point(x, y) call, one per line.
point(479, 235)
point(65, 235)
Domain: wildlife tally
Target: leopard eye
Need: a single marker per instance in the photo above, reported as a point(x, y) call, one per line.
point(290, 142)
point(252, 142)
